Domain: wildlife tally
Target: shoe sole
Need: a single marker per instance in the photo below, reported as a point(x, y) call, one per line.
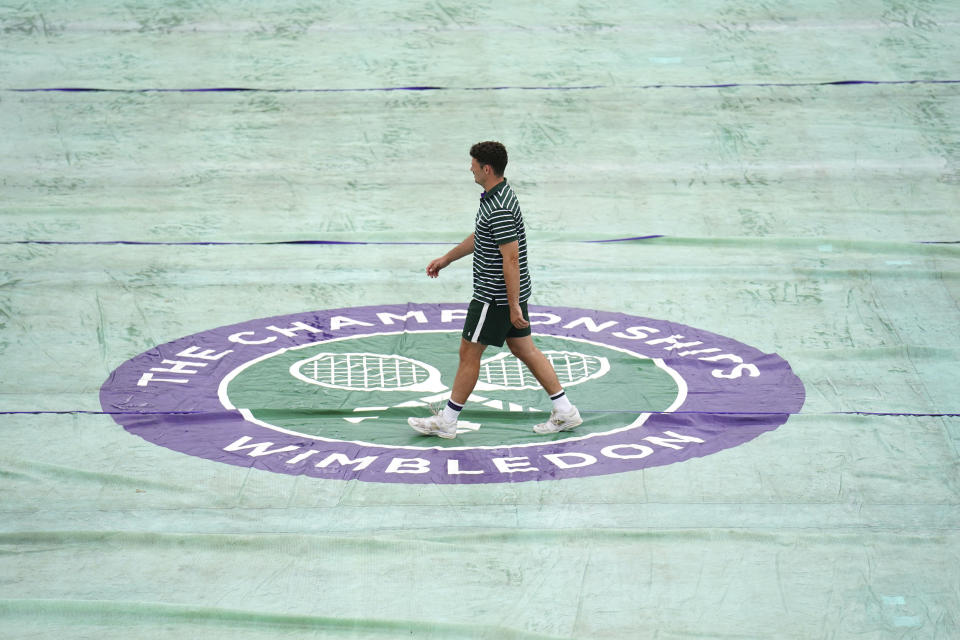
point(566, 427)
point(441, 434)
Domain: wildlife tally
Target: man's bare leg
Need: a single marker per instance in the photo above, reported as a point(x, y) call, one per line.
point(468, 371)
point(528, 353)
point(444, 424)
point(564, 416)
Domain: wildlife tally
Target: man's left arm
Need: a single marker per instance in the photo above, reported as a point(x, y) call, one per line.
point(511, 275)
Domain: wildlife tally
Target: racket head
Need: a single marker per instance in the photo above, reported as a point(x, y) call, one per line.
point(505, 372)
point(368, 372)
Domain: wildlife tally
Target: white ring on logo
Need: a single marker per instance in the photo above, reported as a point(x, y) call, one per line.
point(249, 417)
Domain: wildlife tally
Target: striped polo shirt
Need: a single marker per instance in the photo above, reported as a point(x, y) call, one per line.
point(499, 221)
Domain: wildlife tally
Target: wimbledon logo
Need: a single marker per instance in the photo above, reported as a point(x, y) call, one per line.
point(328, 393)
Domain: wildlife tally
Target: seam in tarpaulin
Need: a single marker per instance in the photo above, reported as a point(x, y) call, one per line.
point(629, 411)
point(219, 243)
point(592, 87)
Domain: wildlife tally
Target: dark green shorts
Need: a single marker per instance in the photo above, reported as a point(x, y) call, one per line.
point(490, 324)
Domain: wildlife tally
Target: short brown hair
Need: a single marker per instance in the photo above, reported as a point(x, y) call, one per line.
point(491, 153)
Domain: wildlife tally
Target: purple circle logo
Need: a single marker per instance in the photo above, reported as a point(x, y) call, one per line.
point(328, 393)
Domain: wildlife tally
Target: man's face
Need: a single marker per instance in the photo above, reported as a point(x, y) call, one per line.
point(477, 170)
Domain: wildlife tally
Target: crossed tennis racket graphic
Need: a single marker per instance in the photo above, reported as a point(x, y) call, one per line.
point(382, 372)
point(377, 372)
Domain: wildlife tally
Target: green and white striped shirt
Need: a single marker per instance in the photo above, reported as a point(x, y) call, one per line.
point(499, 221)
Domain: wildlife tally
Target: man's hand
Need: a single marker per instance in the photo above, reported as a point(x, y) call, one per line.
point(433, 269)
point(465, 248)
point(516, 317)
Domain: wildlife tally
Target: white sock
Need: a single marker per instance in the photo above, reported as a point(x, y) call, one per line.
point(561, 402)
point(451, 412)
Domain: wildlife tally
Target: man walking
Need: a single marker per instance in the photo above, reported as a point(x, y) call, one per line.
point(501, 288)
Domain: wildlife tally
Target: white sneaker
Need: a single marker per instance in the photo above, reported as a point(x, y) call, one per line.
point(560, 422)
point(435, 425)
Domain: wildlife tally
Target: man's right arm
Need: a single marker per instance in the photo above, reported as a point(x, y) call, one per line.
point(465, 248)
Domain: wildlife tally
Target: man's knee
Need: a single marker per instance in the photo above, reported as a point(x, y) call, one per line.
point(522, 348)
point(471, 351)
